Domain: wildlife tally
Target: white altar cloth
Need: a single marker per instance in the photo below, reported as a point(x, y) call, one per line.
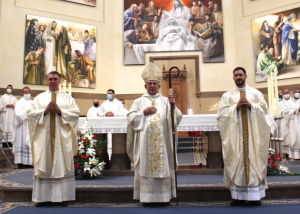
point(103, 125)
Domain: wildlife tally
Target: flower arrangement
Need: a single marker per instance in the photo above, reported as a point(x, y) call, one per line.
point(87, 161)
point(275, 165)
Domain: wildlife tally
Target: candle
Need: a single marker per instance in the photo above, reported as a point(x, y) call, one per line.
point(65, 86)
point(276, 95)
point(70, 89)
point(269, 95)
point(272, 95)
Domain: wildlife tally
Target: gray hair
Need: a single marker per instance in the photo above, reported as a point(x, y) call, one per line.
point(133, 5)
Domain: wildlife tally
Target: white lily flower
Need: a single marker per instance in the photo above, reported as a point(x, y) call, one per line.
point(86, 167)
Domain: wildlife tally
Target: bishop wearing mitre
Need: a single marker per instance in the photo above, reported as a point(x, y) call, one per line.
point(149, 142)
point(53, 122)
point(245, 126)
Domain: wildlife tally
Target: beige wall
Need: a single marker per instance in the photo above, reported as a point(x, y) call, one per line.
point(111, 73)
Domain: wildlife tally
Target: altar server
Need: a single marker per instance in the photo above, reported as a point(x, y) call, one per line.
point(111, 107)
point(21, 139)
point(94, 111)
point(149, 141)
point(245, 125)
point(53, 122)
point(290, 108)
point(7, 105)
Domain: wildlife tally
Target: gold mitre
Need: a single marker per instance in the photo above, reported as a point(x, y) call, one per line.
point(151, 72)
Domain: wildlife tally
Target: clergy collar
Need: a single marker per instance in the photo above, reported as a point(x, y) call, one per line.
point(58, 91)
point(241, 89)
point(152, 96)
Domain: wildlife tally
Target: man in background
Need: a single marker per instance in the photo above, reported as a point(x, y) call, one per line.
point(111, 107)
point(94, 111)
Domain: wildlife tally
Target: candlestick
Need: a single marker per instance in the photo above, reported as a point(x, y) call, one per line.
point(269, 94)
point(65, 86)
point(272, 95)
point(70, 89)
point(276, 95)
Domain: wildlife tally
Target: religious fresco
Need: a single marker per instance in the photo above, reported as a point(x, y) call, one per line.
point(173, 25)
point(55, 45)
point(275, 45)
point(92, 3)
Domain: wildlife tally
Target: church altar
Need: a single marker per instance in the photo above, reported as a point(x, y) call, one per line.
point(103, 125)
point(115, 130)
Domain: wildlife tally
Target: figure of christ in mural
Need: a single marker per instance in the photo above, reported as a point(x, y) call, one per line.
point(64, 51)
point(83, 66)
point(34, 67)
point(289, 41)
point(210, 45)
point(50, 38)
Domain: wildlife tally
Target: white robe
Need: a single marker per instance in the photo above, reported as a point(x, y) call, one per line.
point(53, 181)
point(150, 148)
point(7, 117)
point(123, 112)
point(21, 138)
point(94, 112)
point(259, 129)
point(50, 53)
point(291, 143)
point(114, 106)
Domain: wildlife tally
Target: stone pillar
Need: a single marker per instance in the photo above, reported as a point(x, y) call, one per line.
point(214, 155)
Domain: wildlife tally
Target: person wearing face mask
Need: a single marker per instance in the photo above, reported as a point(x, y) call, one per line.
point(290, 110)
point(21, 138)
point(280, 95)
point(8, 102)
point(124, 111)
point(94, 111)
point(111, 107)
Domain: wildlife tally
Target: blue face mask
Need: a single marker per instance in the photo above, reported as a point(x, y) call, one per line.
point(280, 99)
point(109, 96)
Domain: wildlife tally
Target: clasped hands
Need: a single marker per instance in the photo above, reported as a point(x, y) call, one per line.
point(54, 106)
point(243, 101)
point(152, 110)
point(10, 106)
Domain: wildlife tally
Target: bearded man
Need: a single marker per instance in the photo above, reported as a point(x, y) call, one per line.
point(245, 126)
point(149, 142)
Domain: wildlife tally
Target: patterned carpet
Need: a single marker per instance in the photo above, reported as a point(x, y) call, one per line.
point(24, 179)
point(268, 206)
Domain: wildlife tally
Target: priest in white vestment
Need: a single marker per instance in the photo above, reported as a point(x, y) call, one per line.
point(53, 122)
point(123, 111)
point(94, 111)
point(21, 139)
point(149, 141)
point(245, 126)
point(7, 105)
point(290, 109)
point(112, 106)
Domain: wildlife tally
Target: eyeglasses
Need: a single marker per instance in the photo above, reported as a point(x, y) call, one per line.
point(152, 83)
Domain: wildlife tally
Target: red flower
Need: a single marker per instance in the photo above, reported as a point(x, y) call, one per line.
point(84, 157)
point(94, 137)
point(280, 159)
point(95, 147)
point(76, 166)
point(100, 157)
point(275, 167)
point(78, 144)
point(75, 159)
point(87, 172)
point(79, 133)
point(85, 140)
point(271, 161)
point(76, 154)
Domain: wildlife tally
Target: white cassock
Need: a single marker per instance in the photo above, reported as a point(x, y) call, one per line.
point(114, 106)
point(291, 127)
point(21, 138)
point(53, 143)
point(7, 117)
point(94, 112)
point(150, 148)
point(123, 112)
point(245, 133)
